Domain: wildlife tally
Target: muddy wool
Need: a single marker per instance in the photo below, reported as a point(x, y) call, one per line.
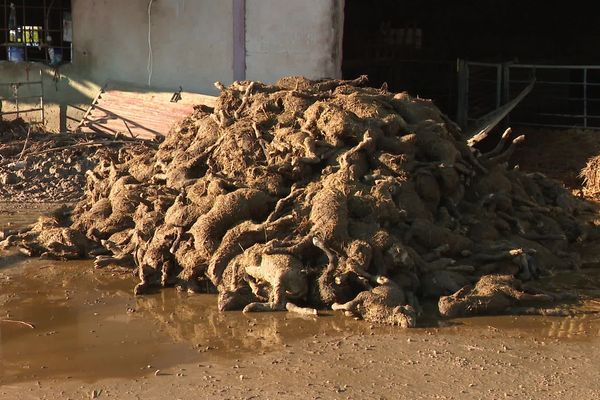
point(305, 195)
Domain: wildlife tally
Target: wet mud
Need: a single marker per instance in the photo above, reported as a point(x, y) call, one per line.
point(88, 326)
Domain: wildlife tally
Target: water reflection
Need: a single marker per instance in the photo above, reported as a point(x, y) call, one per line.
point(89, 326)
point(195, 319)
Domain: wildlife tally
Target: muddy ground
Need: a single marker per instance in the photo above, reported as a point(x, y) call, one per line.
point(559, 154)
point(42, 167)
point(92, 337)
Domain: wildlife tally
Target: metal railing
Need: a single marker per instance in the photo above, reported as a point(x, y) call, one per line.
point(480, 90)
point(16, 99)
point(563, 96)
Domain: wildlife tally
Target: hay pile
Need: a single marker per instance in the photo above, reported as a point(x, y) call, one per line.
point(307, 195)
point(590, 174)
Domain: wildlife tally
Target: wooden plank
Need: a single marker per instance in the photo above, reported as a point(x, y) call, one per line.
point(186, 98)
point(132, 108)
point(143, 114)
point(134, 114)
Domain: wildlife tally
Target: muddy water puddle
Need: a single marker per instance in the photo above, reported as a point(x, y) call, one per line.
point(14, 216)
point(87, 325)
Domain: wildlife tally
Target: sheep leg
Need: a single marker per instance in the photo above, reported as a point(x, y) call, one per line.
point(500, 145)
point(276, 303)
point(505, 156)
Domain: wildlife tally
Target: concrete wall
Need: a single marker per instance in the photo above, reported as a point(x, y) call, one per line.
point(292, 37)
point(192, 43)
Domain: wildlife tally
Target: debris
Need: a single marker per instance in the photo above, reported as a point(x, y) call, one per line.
point(493, 294)
point(305, 195)
point(37, 166)
point(12, 321)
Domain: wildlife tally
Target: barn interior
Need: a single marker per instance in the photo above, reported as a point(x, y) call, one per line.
point(413, 45)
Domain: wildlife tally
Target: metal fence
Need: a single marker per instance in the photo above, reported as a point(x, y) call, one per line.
point(16, 100)
point(479, 90)
point(564, 96)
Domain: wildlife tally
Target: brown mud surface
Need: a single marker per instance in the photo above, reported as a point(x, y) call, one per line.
point(88, 326)
point(92, 336)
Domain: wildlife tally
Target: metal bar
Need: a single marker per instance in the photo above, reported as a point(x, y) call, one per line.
point(481, 64)
point(6, 18)
point(567, 115)
point(22, 33)
point(585, 104)
point(91, 107)
point(463, 97)
point(28, 110)
point(20, 98)
point(546, 66)
point(506, 87)
point(42, 97)
point(557, 83)
point(16, 91)
point(46, 14)
point(552, 125)
point(589, 99)
point(6, 23)
point(25, 83)
point(483, 80)
point(498, 85)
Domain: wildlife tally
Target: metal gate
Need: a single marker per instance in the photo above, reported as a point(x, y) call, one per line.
point(480, 90)
point(15, 100)
point(563, 96)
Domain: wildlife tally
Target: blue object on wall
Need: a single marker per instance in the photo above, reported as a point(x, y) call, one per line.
point(16, 54)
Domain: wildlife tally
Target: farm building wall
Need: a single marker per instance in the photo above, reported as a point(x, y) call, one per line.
point(193, 46)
